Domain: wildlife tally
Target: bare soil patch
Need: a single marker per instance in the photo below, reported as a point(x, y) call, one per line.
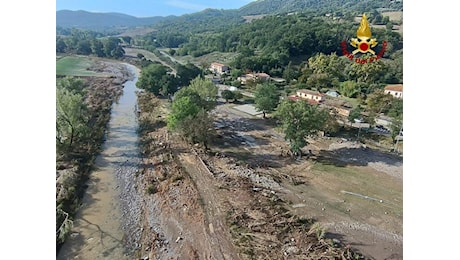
point(244, 200)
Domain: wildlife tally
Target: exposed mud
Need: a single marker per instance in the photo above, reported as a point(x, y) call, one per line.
point(238, 203)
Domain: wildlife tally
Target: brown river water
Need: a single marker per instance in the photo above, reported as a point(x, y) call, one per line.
point(107, 224)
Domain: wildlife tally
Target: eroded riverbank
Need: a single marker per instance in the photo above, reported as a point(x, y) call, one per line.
point(106, 226)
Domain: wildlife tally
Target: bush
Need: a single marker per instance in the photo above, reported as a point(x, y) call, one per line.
point(151, 189)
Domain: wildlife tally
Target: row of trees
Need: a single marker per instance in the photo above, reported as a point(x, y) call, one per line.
point(90, 43)
point(160, 80)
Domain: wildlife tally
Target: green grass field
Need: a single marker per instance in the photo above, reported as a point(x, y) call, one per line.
point(74, 66)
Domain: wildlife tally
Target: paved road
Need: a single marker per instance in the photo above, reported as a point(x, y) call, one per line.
point(224, 87)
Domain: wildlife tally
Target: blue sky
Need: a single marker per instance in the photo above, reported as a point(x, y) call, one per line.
point(148, 8)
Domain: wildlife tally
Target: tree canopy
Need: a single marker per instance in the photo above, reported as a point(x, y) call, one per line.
point(155, 78)
point(189, 112)
point(300, 120)
point(266, 98)
point(71, 114)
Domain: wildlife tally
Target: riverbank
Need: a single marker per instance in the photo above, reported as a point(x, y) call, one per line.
point(72, 172)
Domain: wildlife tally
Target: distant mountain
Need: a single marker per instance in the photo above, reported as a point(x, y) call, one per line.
point(89, 20)
point(211, 19)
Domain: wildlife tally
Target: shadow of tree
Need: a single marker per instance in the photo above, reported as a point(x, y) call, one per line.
point(356, 156)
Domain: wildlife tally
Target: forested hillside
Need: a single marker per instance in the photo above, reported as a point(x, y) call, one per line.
point(319, 6)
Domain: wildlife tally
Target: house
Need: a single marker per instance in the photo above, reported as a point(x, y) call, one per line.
point(310, 95)
point(254, 77)
point(297, 98)
point(394, 90)
point(219, 68)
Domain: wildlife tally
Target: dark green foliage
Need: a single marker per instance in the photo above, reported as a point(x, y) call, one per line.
point(186, 73)
point(189, 112)
point(88, 42)
point(182, 108)
point(337, 7)
point(154, 78)
point(300, 120)
point(227, 94)
point(396, 108)
point(152, 189)
point(355, 114)
point(61, 46)
point(266, 98)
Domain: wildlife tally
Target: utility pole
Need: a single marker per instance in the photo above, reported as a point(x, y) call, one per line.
point(359, 130)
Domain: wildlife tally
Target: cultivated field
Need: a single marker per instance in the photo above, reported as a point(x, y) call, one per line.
point(75, 66)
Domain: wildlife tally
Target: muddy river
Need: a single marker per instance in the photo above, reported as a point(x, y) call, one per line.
point(107, 224)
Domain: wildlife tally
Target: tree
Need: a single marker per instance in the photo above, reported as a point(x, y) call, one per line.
point(396, 108)
point(110, 45)
point(227, 94)
point(71, 121)
point(331, 65)
point(355, 114)
point(379, 102)
point(290, 73)
point(73, 85)
point(84, 47)
point(97, 48)
point(186, 73)
point(369, 72)
point(331, 125)
point(266, 98)
point(198, 128)
point(190, 120)
point(153, 78)
point(318, 81)
point(181, 109)
point(300, 120)
point(61, 46)
point(349, 88)
point(118, 52)
point(395, 127)
point(237, 95)
point(206, 90)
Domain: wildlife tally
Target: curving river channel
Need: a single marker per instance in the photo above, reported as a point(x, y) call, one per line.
point(107, 224)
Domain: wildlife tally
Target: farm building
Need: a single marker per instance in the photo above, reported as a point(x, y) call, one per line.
point(219, 68)
point(394, 90)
